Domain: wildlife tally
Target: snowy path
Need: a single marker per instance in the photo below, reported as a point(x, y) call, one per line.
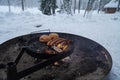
point(102, 28)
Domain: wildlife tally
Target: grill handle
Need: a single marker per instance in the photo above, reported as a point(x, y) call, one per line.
point(45, 30)
point(2, 66)
point(43, 64)
point(19, 56)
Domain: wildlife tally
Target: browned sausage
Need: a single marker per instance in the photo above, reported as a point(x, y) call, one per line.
point(59, 41)
point(54, 41)
point(48, 43)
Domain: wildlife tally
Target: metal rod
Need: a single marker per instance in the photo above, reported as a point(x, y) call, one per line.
point(41, 65)
point(11, 71)
point(47, 30)
point(19, 56)
point(2, 66)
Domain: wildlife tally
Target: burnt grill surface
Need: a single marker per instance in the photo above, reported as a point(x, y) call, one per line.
point(89, 60)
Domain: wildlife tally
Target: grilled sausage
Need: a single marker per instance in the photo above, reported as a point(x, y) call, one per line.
point(59, 41)
point(53, 35)
point(44, 38)
point(55, 41)
point(49, 42)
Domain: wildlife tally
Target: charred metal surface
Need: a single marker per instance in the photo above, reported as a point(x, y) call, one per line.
point(89, 60)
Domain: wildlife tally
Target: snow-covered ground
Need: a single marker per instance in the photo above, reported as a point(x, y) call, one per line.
point(102, 28)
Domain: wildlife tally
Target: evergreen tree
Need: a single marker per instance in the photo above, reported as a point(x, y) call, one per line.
point(47, 6)
point(67, 6)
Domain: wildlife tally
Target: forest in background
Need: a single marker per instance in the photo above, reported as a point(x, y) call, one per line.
point(36, 3)
point(68, 6)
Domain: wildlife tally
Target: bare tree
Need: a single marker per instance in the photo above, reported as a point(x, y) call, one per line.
point(89, 6)
point(74, 6)
point(9, 5)
point(79, 6)
point(22, 3)
point(61, 7)
point(100, 5)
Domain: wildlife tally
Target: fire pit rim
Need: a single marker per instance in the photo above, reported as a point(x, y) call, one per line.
point(61, 33)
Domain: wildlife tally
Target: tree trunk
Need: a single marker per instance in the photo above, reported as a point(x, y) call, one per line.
point(22, 3)
point(79, 6)
point(89, 6)
point(74, 6)
point(67, 6)
point(118, 7)
point(62, 10)
point(99, 6)
point(53, 6)
point(9, 6)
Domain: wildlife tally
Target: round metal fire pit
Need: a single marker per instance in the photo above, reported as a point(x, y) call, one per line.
point(89, 60)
